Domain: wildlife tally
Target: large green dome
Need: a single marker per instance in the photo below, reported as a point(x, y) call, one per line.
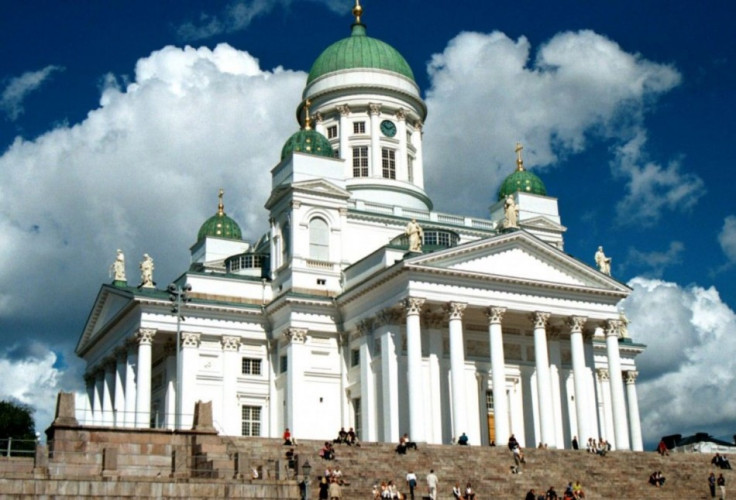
point(220, 225)
point(359, 51)
point(307, 141)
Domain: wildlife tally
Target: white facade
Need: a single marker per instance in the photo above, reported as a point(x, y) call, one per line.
point(329, 321)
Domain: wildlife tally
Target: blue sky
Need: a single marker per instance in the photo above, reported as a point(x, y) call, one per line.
point(115, 135)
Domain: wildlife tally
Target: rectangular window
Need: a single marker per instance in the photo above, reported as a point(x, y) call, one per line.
point(251, 421)
point(489, 401)
point(251, 366)
point(360, 161)
point(283, 364)
point(332, 132)
point(389, 163)
point(359, 127)
point(410, 167)
point(358, 411)
point(355, 357)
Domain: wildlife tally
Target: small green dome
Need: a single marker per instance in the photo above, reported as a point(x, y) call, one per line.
point(220, 225)
point(359, 51)
point(524, 181)
point(307, 141)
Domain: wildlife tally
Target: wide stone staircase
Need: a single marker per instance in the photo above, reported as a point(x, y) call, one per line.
point(619, 474)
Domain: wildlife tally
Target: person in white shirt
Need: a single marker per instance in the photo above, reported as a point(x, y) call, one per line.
point(432, 483)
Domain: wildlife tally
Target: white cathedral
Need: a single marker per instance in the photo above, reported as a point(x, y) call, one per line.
point(363, 307)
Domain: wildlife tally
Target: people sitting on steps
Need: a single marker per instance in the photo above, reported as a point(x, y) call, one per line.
point(463, 440)
point(342, 436)
point(404, 444)
point(288, 438)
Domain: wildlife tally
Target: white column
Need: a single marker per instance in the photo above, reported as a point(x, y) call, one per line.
point(606, 411)
point(131, 386)
point(345, 131)
point(143, 378)
point(634, 421)
point(170, 397)
point(516, 413)
point(544, 389)
point(434, 414)
point(414, 368)
point(374, 162)
point(189, 345)
point(578, 372)
point(620, 426)
point(498, 374)
point(231, 369)
point(119, 404)
point(99, 410)
point(367, 384)
point(457, 368)
point(108, 392)
point(295, 397)
point(555, 361)
point(416, 140)
point(401, 165)
point(389, 384)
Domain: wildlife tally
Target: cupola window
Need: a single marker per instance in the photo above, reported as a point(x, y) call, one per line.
point(359, 127)
point(319, 239)
point(389, 163)
point(360, 161)
point(332, 132)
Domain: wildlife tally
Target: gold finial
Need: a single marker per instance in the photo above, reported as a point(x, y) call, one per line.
point(519, 161)
point(308, 119)
point(357, 11)
point(221, 205)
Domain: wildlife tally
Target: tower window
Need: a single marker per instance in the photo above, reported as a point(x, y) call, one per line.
point(410, 167)
point(332, 132)
point(251, 420)
point(359, 127)
point(360, 161)
point(389, 163)
point(251, 366)
point(319, 239)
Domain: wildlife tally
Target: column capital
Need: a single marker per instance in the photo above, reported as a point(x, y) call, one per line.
point(364, 327)
point(495, 314)
point(539, 319)
point(230, 343)
point(613, 328)
point(630, 376)
point(190, 339)
point(343, 109)
point(387, 317)
point(317, 117)
point(418, 126)
point(374, 108)
point(576, 323)
point(554, 332)
point(145, 335)
point(455, 310)
point(296, 335)
point(602, 374)
point(400, 114)
point(413, 305)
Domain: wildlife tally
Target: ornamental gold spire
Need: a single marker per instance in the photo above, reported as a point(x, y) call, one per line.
point(307, 119)
point(220, 204)
point(519, 160)
point(357, 11)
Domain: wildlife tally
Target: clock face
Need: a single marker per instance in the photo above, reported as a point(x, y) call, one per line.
point(388, 128)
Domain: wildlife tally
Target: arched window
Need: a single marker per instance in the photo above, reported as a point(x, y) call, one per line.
point(285, 242)
point(319, 239)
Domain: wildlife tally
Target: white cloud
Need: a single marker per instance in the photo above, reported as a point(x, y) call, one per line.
point(486, 93)
point(237, 16)
point(656, 262)
point(140, 173)
point(688, 370)
point(11, 100)
point(727, 238)
point(652, 187)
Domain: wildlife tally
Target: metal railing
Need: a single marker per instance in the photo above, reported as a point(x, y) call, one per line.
point(13, 447)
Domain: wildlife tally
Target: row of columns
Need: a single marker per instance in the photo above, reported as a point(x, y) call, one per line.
point(119, 392)
point(547, 379)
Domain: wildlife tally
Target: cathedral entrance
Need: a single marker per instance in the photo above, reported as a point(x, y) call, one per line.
point(491, 418)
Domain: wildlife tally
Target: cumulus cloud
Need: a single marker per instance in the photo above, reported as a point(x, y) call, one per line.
point(140, 173)
point(656, 262)
point(18, 88)
point(688, 371)
point(237, 16)
point(487, 92)
point(727, 238)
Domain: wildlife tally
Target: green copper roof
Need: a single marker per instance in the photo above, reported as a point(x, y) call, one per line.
point(220, 225)
point(359, 51)
point(307, 141)
point(524, 181)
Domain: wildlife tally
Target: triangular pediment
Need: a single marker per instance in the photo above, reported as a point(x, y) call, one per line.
point(322, 187)
point(543, 223)
point(518, 257)
point(110, 302)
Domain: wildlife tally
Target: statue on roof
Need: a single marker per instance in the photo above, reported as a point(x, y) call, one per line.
point(415, 233)
point(147, 272)
point(117, 269)
point(603, 262)
point(624, 324)
point(511, 213)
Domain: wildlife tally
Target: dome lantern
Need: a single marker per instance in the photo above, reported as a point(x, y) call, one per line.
point(521, 180)
point(220, 225)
